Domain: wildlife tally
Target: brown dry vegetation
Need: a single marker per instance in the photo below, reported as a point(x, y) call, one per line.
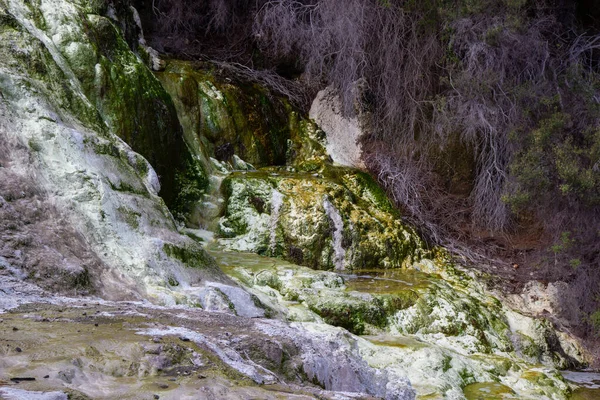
point(484, 115)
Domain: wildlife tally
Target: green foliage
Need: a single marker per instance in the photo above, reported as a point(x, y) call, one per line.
point(557, 161)
point(576, 168)
point(564, 244)
point(492, 36)
point(515, 4)
point(594, 320)
point(575, 263)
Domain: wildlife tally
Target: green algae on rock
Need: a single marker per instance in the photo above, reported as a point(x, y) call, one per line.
point(338, 219)
point(488, 391)
point(400, 302)
point(99, 196)
point(92, 53)
point(329, 221)
point(230, 124)
point(305, 210)
point(220, 113)
point(441, 356)
point(182, 351)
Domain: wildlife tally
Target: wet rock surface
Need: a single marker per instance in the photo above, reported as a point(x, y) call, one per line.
point(337, 219)
point(99, 349)
point(80, 209)
point(443, 334)
point(87, 136)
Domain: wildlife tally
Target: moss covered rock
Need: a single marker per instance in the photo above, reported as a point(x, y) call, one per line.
point(96, 60)
point(338, 219)
point(444, 335)
point(228, 117)
point(71, 93)
point(298, 206)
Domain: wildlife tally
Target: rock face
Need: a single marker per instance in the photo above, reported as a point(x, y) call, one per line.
point(108, 350)
point(343, 133)
point(298, 206)
point(225, 117)
point(82, 215)
point(309, 211)
point(337, 219)
point(95, 59)
point(74, 196)
point(444, 334)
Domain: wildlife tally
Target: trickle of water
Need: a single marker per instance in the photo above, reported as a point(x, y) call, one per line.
point(276, 202)
point(338, 225)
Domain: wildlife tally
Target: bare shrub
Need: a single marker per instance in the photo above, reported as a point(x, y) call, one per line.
point(384, 46)
point(217, 29)
point(177, 17)
point(291, 90)
point(482, 103)
point(329, 37)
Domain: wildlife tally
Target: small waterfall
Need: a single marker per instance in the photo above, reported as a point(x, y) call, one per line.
point(276, 202)
point(338, 224)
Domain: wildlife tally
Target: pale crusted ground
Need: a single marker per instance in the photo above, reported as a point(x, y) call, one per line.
point(93, 348)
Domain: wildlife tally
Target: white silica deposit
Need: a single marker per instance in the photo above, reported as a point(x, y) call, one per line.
point(338, 230)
